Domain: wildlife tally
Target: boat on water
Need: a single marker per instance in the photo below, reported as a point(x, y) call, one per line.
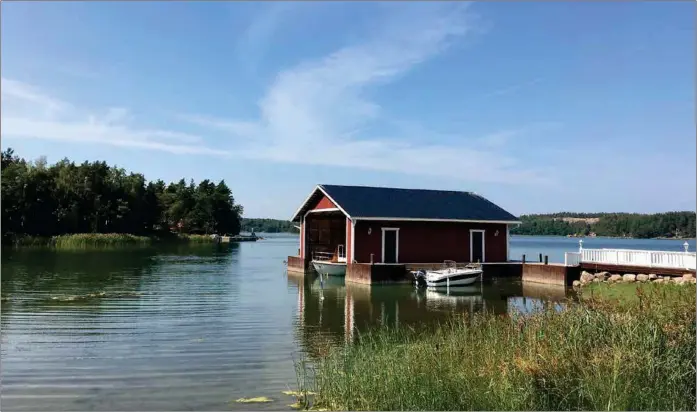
point(330, 263)
point(450, 275)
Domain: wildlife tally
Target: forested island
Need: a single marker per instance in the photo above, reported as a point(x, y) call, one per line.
point(629, 225)
point(268, 226)
point(40, 200)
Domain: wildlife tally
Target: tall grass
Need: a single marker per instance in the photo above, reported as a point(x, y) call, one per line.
point(595, 356)
point(104, 240)
point(83, 240)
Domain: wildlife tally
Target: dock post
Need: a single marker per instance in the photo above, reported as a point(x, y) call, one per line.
point(546, 259)
point(523, 259)
point(540, 257)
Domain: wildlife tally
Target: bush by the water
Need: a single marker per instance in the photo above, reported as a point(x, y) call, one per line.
point(597, 355)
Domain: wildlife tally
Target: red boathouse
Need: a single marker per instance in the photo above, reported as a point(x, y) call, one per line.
point(380, 232)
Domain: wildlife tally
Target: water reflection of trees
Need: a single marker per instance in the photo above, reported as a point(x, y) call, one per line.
point(35, 276)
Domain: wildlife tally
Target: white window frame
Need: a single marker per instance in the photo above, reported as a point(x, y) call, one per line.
point(394, 229)
point(483, 232)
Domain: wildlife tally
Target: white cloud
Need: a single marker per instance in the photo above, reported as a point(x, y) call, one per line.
point(315, 112)
point(30, 113)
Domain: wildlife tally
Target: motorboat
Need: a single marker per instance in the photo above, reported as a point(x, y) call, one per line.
point(332, 264)
point(450, 275)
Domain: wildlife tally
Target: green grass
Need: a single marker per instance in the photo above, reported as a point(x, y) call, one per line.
point(592, 356)
point(104, 240)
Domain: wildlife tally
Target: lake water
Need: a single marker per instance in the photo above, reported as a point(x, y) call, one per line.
point(196, 327)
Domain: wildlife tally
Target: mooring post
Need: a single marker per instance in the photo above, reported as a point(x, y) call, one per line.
point(523, 259)
point(540, 257)
point(546, 259)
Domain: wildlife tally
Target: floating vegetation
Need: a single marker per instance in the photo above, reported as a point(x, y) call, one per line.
point(298, 393)
point(95, 295)
point(258, 399)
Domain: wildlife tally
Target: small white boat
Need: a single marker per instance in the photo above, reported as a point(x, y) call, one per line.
point(329, 263)
point(449, 276)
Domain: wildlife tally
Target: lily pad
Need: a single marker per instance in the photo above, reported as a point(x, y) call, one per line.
point(258, 399)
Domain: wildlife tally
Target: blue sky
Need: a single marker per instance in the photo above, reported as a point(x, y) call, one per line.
point(540, 107)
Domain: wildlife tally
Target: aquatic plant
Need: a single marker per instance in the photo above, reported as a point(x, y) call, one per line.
point(599, 355)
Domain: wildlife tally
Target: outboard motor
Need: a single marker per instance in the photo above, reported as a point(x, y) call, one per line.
point(420, 278)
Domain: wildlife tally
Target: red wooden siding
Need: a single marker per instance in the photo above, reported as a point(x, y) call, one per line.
point(348, 239)
point(323, 203)
point(302, 238)
point(430, 242)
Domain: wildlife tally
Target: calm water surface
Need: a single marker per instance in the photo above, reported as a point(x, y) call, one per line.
point(197, 327)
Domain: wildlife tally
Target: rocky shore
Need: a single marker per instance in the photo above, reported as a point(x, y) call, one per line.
point(607, 277)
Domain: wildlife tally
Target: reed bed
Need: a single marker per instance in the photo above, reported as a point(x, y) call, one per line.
point(105, 240)
point(598, 355)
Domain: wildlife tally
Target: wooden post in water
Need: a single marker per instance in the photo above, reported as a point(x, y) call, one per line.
point(523, 259)
point(540, 257)
point(546, 259)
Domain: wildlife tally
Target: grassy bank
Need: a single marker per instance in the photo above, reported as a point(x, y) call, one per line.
point(103, 240)
point(599, 355)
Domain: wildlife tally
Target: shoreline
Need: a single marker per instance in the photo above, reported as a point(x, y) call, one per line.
point(102, 240)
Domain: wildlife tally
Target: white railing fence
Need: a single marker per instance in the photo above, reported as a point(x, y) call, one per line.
point(572, 259)
point(648, 258)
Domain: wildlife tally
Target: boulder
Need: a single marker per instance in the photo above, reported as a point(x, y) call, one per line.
point(688, 276)
point(653, 276)
point(596, 280)
point(680, 281)
point(629, 277)
point(586, 277)
point(576, 283)
point(615, 278)
point(660, 280)
point(642, 277)
point(602, 276)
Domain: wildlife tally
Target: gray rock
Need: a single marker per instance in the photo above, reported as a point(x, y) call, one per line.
point(596, 280)
point(576, 283)
point(642, 277)
point(629, 277)
point(660, 280)
point(688, 276)
point(615, 278)
point(602, 276)
point(652, 276)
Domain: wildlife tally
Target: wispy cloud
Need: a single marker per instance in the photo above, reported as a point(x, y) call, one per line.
point(254, 41)
point(30, 113)
point(315, 112)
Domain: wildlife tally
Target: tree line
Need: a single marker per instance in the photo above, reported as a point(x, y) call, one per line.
point(635, 225)
point(64, 198)
point(268, 225)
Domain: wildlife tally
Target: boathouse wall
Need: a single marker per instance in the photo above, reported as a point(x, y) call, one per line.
point(427, 241)
point(323, 203)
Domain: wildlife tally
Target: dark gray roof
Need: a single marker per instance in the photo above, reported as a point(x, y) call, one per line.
point(374, 202)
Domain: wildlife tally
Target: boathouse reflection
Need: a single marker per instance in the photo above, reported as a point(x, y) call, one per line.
point(332, 312)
